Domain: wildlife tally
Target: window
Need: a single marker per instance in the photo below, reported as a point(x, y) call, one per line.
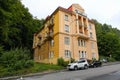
point(66, 17)
point(91, 36)
point(79, 42)
point(67, 54)
point(83, 54)
point(82, 61)
point(51, 54)
point(79, 54)
point(52, 42)
point(92, 45)
point(52, 20)
point(77, 11)
point(66, 28)
point(90, 26)
point(67, 40)
point(84, 42)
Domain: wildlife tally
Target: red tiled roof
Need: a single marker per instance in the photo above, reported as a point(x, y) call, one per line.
point(61, 9)
point(65, 10)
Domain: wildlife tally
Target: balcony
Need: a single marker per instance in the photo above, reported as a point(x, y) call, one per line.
point(85, 26)
point(50, 23)
point(39, 36)
point(82, 14)
point(81, 35)
point(48, 36)
point(39, 44)
point(80, 23)
point(51, 34)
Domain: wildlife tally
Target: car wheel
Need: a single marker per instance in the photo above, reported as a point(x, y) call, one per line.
point(94, 66)
point(75, 68)
point(85, 67)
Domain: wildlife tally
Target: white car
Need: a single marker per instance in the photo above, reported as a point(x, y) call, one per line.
point(80, 64)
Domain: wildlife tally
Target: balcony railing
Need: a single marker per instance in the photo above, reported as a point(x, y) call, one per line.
point(51, 23)
point(39, 36)
point(85, 25)
point(83, 14)
point(80, 23)
point(81, 35)
point(39, 44)
point(48, 36)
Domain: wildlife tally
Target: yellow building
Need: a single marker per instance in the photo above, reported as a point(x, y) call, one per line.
point(67, 33)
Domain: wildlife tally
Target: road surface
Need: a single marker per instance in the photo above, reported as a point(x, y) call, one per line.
point(111, 72)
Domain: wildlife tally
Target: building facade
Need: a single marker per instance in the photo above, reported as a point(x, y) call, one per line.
point(67, 33)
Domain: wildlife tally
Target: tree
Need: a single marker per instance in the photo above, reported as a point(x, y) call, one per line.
point(108, 40)
point(17, 25)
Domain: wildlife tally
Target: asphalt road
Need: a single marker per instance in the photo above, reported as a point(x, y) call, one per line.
point(111, 72)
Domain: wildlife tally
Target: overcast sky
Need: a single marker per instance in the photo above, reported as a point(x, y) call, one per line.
point(104, 11)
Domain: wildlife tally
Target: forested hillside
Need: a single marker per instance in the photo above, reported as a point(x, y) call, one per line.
point(17, 25)
point(108, 40)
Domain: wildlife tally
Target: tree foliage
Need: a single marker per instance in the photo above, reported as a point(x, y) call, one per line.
point(17, 25)
point(16, 59)
point(108, 39)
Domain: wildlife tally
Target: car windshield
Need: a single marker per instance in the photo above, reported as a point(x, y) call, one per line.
point(75, 62)
point(80, 61)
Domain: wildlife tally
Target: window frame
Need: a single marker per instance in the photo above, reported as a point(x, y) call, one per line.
point(92, 45)
point(67, 40)
point(90, 26)
point(51, 54)
point(91, 35)
point(67, 28)
point(83, 54)
point(67, 54)
point(66, 17)
point(52, 42)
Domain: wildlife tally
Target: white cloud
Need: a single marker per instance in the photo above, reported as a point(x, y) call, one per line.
point(101, 10)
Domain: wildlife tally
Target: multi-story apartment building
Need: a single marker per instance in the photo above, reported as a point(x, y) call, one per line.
point(67, 33)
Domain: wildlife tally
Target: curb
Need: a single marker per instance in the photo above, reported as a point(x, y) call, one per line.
point(31, 74)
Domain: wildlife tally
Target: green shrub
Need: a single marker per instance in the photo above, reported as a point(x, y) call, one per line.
point(1, 49)
point(28, 63)
point(72, 60)
point(93, 59)
point(18, 65)
point(61, 62)
point(65, 63)
point(111, 59)
point(16, 59)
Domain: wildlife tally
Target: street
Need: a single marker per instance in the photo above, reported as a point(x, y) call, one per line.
point(111, 72)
